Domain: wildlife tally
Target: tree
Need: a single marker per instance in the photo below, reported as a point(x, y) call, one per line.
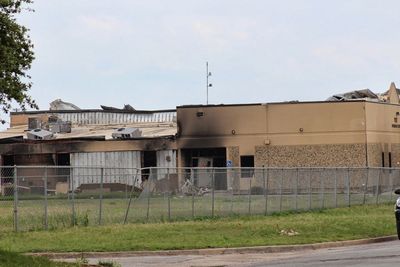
point(16, 56)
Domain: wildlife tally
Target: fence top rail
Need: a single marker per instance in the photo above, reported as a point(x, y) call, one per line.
point(66, 167)
point(198, 168)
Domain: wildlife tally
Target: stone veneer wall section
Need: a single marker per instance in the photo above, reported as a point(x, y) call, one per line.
point(233, 177)
point(375, 155)
point(396, 155)
point(329, 155)
point(233, 154)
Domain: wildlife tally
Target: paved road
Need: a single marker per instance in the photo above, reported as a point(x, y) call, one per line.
point(378, 255)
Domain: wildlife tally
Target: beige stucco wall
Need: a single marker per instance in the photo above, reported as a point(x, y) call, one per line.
point(276, 124)
point(379, 123)
point(382, 134)
point(295, 134)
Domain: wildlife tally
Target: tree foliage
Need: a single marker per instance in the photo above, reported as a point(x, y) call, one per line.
point(16, 56)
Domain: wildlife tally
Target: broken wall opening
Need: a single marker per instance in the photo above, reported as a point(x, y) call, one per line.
point(148, 160)
point(207, 158)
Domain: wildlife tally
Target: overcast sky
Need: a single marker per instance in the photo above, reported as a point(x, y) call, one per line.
point(152, 54)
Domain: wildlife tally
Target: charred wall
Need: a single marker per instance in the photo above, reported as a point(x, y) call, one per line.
point(72, 146)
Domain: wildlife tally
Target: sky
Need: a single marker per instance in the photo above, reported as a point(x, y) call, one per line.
point(152, 54)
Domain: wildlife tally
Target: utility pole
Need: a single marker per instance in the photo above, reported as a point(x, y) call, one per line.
point(208, 74)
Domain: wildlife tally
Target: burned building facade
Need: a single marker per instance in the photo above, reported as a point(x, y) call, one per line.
point(109, 138)
point(347, 133)
point(356, 129)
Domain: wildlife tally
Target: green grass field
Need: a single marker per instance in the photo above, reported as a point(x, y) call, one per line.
point(315, 226)
point(162, 208)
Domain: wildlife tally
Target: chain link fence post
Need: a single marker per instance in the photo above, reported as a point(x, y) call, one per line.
point(322, 188)
point(280, 191)
point(348, 188)
point(212, 192)
point(249, 198)
point(232, 189)
point(101, 195)
point(15, 199)
point(192, 181)
point(378, 185)
point(148, 193)
point(391, 184)
point(296, 189)
point(72, 190)
point(169, 196)
point(265, 181)
point(126, 176)
point(131, 195)
point(366, 186)
point(335, 188)
point(46, 223)
point(309, 190)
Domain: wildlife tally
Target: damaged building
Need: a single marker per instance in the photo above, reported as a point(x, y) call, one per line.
point(361, 129)
point(354, 129)
point(66, 136)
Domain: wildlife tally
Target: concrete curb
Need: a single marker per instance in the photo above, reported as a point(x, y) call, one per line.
point(215, 251)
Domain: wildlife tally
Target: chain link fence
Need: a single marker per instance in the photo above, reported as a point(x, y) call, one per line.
point(36, 198)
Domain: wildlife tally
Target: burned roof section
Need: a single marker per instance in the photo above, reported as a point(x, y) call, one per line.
point(126, 107)
point(87, 123)
point(353, 95)
point(390, 96)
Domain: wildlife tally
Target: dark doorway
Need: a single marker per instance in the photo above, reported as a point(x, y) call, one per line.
point(7, 173)
point(149, 159)
point(8, 160)
point(63, 159)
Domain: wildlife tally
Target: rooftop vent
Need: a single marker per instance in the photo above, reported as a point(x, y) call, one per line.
point(60, 127)
point(126, 133)
point(39, 134)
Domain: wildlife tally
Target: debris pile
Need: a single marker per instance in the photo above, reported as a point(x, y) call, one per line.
point(288, 232)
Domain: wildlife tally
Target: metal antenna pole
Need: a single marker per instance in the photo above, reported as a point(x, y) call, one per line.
point(208, 74)
point(207, 80)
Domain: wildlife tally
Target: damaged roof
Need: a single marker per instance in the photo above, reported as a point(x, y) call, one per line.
point(356, 94)
point(149, 130)
point(64, 120)
point(391, 95)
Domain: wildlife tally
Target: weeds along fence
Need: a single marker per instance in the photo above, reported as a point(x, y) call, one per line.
point(35, 198)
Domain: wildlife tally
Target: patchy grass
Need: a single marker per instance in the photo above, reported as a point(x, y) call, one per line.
point(12, 259)
point(161, 208)
point(308, 227)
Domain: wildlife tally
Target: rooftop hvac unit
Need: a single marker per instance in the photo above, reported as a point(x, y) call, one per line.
point(60, 127)
point(126, 133)
point(53, 119)
point(39, 134)
point(34, 123)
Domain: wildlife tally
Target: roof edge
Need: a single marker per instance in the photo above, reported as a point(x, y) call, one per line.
point(92, 110)
point(277, 103)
